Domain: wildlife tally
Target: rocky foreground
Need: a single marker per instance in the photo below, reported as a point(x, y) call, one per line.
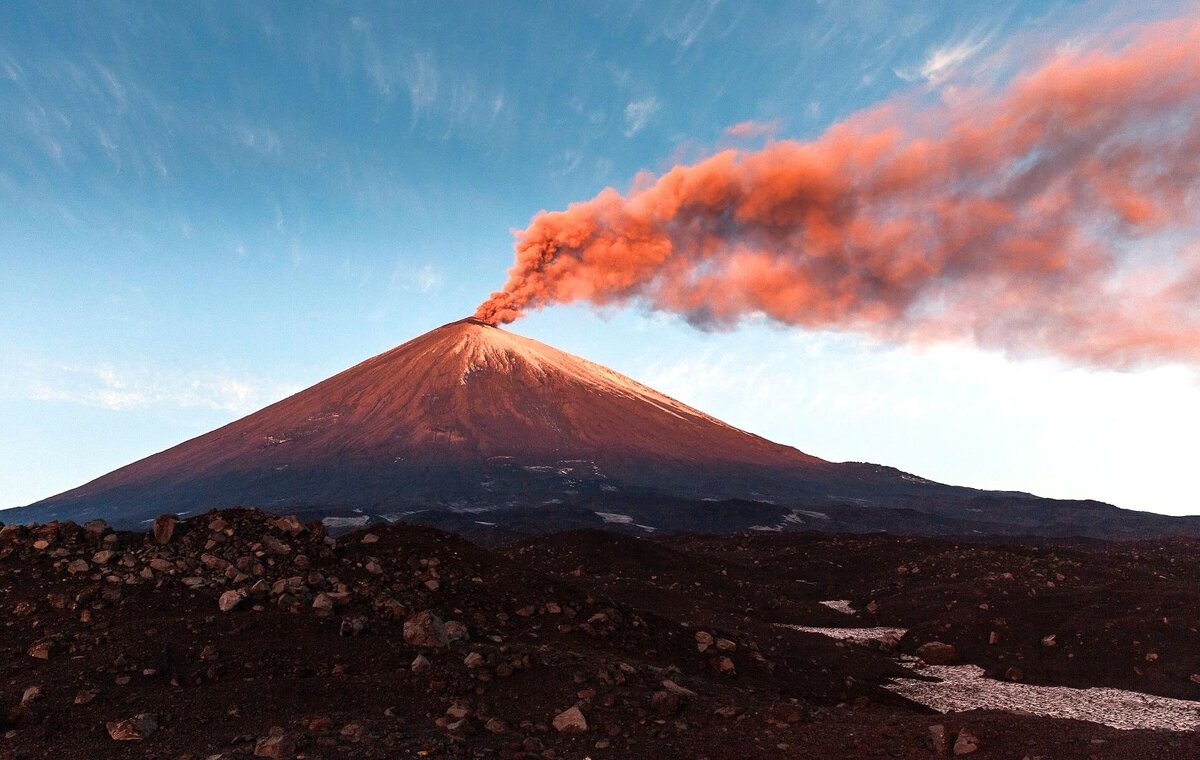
point(242, 634)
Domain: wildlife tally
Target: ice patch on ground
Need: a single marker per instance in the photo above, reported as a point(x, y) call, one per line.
point(808, 513)
point(854, 635)
point(345, 522)
point(964, 687)
point(840, 605)
point(615, 517)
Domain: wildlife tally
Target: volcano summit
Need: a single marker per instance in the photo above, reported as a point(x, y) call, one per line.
point(469, 418)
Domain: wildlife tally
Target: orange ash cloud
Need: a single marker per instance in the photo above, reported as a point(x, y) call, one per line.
point(1045, 218)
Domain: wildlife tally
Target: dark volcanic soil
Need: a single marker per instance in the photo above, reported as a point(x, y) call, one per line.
point(325, 651)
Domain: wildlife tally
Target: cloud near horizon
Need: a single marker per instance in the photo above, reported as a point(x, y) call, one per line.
point(1045, 218)
point(106, 386)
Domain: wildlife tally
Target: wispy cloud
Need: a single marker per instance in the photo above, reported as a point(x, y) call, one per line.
point(752, 129)
point(426, 278)
point(421, 78)
point(261, 140)
point(638, 114)
point(114, 387)
point(686, 30)
point(943, 61)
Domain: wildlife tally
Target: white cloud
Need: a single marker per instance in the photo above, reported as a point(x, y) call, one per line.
point(423, 279)
point(953, 413)
point(262, 140)
point(941, 62)
point(421, 78)
point(688, 28)
point(638, 113)
point(118, 388)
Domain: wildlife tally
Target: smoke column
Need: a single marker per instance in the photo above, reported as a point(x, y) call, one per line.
point(1057, 215)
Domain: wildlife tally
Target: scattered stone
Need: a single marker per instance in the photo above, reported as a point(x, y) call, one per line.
point(133, 729)
point(41, 650)
point(966, 742)
point(289, 524)
point(275, 745)
point(323, 604)
point(724, 666)
point(678, 690)
point(31, 695)
point(938, 740)
point(421, 664)
point(703, 640)
point(665, 704)
point(86, 696)
point(570, 721)
point(456, 631)
point(355, 626)
point(275, 546)
point(230, 600)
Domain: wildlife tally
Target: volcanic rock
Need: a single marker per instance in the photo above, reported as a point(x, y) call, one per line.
point(937, 653)
point(133, 729)
point(164, 528)
point(230, 600)
point(570, 721)
point(966, 742)
point(425, 629)
point(276, 745)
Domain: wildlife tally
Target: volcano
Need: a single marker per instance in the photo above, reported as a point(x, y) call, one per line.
point(470, 418)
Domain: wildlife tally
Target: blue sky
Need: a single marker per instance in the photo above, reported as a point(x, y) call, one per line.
point(204, 207)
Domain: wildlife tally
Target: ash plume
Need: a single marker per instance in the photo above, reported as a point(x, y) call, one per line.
point(1054, 216)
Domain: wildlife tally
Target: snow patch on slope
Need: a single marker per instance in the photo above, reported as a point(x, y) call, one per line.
point(839, 605)
point(881, 635)
point(964, 687)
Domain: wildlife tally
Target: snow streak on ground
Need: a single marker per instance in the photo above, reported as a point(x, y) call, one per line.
point(345, 522)
point(855, 635)
point(964, 687)
point(840, 605)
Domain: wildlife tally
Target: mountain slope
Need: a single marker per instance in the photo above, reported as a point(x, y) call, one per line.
point(467, 415)
point(472, 417)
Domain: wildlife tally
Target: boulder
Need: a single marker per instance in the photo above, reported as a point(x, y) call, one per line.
point(425, 629)
point(937, 653)
point(164, 529)
point(966, 742)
